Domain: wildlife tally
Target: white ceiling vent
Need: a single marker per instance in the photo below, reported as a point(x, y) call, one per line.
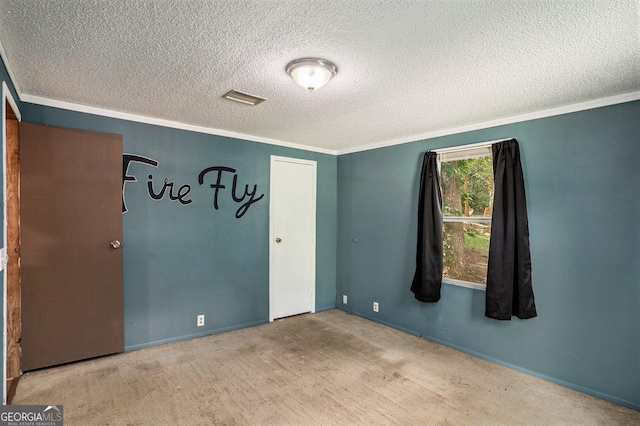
point(244, 98)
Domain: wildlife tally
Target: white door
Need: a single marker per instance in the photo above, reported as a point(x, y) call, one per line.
point(292, 231)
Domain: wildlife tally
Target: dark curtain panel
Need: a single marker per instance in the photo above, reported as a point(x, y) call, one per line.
point(509, 289)
point(428, 277)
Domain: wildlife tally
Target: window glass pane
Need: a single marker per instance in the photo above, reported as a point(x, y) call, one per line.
point(467, 192)
point(467, 187)
point(466, 251)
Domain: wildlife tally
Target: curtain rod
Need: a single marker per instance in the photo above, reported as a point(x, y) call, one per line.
point(469, 146)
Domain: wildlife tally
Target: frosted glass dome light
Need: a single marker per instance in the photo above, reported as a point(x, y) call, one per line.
point(311, 73)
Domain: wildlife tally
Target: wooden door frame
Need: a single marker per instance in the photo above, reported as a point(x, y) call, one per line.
point(7, 102)
point(272, 236)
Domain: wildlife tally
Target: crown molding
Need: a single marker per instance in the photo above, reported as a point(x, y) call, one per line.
point(597, 103)
point(3, 55)
point(166, 123)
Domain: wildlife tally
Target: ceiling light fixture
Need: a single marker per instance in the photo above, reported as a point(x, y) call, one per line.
point(311, 73)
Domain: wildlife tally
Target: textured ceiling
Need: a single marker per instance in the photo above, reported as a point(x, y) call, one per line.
point(405, 68)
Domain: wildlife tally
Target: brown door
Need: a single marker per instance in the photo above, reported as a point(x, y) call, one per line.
point(71, 211)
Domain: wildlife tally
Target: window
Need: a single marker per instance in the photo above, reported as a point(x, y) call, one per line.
point(466, 179)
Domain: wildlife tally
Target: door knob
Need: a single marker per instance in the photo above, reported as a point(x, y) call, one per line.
point(116, 244)
point(278, 239)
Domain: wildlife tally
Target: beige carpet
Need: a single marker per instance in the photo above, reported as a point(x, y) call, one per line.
point(316, 369)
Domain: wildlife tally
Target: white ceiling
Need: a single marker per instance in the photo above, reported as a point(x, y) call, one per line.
point(406, 68)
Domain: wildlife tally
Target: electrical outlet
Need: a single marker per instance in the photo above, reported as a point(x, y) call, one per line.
point(375, 306)
point(200, 320)
point(344, 299)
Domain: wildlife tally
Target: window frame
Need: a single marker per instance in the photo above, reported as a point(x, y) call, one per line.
point(464, 152)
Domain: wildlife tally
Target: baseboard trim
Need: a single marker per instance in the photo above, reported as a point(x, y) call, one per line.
point(542, 376)
point(136, 347)
point(192, 336)
point(325, 308)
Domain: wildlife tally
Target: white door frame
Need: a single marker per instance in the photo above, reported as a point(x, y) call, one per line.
point(272, 236)
point(6, 97)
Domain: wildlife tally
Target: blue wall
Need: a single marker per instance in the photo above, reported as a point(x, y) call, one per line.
point(181, 260)
point(582, 177)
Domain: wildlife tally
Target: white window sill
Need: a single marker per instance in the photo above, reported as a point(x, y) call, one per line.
point(467, 284)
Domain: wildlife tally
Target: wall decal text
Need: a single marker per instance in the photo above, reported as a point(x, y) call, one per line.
point(181, 193)
point(218, 186)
